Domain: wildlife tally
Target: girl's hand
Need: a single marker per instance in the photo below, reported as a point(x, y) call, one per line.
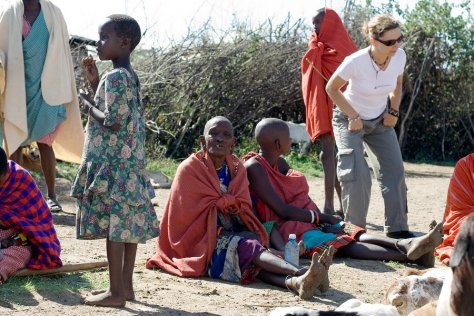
point(90, 70)
point(389, 120)
point(355, 124)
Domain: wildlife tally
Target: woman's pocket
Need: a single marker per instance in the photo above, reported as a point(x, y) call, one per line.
point(345, 164)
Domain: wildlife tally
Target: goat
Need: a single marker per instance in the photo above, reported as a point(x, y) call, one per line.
point(352, 307)
point(415, 289)
point(300, 136)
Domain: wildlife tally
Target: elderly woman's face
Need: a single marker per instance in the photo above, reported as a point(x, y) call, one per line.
point(219, 139)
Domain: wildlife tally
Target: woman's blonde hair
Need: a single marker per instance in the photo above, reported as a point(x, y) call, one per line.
point(379, 25)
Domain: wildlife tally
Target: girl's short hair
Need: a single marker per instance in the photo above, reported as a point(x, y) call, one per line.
point(380, 24)
point(126, 26)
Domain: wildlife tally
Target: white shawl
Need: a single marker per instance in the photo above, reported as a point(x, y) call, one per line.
point(58, 84)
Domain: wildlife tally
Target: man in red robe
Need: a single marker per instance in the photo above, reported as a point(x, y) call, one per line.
point(459, 204)
point(328, 45)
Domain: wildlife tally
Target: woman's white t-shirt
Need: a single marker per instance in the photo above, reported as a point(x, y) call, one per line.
point(368, 86)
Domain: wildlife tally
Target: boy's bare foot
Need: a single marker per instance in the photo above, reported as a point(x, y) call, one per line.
point(105, 299)
point(301, 247)
point(417, 247)
point(306, 284)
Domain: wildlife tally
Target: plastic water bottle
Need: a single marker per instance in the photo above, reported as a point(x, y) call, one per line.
point(292, 252)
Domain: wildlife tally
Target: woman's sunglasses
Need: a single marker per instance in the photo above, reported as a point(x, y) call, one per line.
point(391, 42)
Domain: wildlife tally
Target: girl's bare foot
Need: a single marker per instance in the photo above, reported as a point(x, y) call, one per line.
point(129, 295)
point(417, 247)
point(105, 299)
point(306, 284)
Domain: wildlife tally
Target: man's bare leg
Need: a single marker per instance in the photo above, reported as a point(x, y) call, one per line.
point(327, 157)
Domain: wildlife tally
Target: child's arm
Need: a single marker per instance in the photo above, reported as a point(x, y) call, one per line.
point(94, 112)
point(260, 184)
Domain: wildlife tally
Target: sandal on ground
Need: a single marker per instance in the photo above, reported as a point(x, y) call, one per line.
point(54, 205)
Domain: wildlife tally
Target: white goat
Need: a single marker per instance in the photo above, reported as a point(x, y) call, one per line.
point(350, 307)
point(415, 289)
point(299, 135)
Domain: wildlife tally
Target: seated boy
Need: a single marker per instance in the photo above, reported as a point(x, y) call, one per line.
point(282, 196)
point(27, 235)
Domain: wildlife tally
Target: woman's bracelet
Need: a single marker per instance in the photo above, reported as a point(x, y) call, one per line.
point(393, 112)
point(354, 119)
point(312, 216)
point(89, 109)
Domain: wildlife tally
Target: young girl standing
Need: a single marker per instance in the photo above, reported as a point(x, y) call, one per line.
point(111, 186)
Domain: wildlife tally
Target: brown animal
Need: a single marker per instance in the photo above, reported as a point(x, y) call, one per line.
point(415, 289)
point(30, 158)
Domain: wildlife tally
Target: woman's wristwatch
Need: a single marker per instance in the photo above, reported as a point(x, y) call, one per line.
point(393, 112)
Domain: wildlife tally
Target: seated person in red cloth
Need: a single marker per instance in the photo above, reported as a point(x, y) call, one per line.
point(459, 204)
point(208, 227)
point(282, 197)
point(28, 238)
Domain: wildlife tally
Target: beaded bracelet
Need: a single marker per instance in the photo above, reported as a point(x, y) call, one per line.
point(314, 217)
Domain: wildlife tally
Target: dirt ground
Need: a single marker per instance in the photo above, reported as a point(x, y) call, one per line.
point(158, 293)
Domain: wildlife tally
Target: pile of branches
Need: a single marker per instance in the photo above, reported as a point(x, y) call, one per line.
point(245, 77)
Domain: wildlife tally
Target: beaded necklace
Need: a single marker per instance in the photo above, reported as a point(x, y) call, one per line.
point(379, 66)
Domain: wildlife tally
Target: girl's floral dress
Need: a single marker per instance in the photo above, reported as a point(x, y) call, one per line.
point(111, 186)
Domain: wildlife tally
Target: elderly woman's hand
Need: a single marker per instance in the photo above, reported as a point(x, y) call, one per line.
point(389, 120)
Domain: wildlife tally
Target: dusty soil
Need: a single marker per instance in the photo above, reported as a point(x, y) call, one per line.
point(158, 293)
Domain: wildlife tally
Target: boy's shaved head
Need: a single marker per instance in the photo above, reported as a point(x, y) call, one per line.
point(270, 129)
point(214, 120)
